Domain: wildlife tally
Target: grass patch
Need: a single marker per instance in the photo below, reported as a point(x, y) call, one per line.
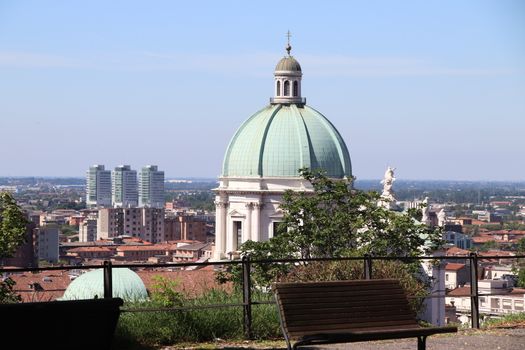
point(510, 320)
point(145, 330)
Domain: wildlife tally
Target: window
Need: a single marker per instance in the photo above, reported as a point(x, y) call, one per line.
point(295, 88)
point(278, 88)
point(286, 88)
point(518, 305)
point(237, 234)
point(275, 228)
point(507, 304)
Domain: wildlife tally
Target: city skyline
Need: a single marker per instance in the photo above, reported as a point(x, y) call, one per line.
point(434, 89)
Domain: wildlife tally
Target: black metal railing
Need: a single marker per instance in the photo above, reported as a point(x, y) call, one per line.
point(246, 264)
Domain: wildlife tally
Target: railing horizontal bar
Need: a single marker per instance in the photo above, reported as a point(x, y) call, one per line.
point(263, 261)
point(87, 267)
point(263, 302)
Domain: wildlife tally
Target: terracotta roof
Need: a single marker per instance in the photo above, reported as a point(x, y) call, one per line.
point(135, 239)
point(457, 251)
point(508, 232)
point(459, 292)
point(191, 283)
point(454, 266)
point(90, 249)
point(482, 239)
point(496, 253)
point(42, 286)
point(51, 285)
point(145, 247)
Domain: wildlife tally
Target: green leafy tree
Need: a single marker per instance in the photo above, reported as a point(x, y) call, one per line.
point(12, 225)
point(7, 294)
point(335, 220)
point(12, 234)
point(521, 277)
point(520, 246)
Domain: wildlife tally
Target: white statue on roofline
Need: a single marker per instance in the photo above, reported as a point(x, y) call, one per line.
point(388, 199)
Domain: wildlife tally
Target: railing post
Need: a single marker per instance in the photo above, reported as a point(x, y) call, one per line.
point(474, 293)
point(368, 267)
point(247, 297)
point(108, 280)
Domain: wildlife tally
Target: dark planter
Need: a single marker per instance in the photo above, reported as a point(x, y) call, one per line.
point(70, 324)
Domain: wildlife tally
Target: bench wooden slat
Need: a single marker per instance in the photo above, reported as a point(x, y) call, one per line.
point(354, 326)
point(341, 319)
point(376, 282)
point(395, 298)
point(317, 310)
point(348, 293)
point(348, 287)
point(376, 314)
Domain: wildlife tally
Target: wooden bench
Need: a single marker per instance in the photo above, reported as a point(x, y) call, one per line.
point(348, 311)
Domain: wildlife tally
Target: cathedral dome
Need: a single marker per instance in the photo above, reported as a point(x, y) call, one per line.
point(282, 138)
point(126, 285)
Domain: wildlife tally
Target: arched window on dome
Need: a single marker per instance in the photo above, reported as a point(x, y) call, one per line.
point(295, 88)
point(286, 88)
point(278, 88)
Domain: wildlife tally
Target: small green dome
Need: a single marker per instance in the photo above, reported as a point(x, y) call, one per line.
point(126, 285)
point(282, 138)
point(288, 63)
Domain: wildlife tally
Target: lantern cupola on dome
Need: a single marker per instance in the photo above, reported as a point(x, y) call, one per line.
point(288, 76)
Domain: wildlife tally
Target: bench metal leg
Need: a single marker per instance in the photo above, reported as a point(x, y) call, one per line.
point(421, 343)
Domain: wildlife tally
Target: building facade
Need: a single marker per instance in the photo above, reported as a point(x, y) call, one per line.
point(98, 187)
point(87, 229)
point(151, 187)
point(497, 299)
point(185, 227)
point(46, 242)
point(263, 160)
point(124, 193)
point(143, 223)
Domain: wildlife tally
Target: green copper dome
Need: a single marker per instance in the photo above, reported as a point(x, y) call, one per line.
point(282, 138)
point(126, 285)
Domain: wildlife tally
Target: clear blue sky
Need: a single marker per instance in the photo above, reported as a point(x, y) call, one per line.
point(433, 88)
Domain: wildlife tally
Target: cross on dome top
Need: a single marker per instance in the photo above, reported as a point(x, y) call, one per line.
point(288, 47)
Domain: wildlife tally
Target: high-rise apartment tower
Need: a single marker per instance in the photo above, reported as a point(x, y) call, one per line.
point(98, 186)
point(151, 187)
point(124, 187)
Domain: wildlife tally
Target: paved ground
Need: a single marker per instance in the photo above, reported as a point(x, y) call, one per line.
point(495, 339)
point(500, 339)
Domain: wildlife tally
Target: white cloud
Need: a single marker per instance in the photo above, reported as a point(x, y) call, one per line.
point(35, 60)
point(247, 64)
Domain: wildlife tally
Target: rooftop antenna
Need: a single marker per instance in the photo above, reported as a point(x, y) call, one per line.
point(288, 47)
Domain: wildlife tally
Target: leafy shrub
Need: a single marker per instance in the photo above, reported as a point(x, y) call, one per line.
point(353, 269)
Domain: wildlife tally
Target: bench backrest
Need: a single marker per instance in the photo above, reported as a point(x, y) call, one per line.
point(317, 307)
